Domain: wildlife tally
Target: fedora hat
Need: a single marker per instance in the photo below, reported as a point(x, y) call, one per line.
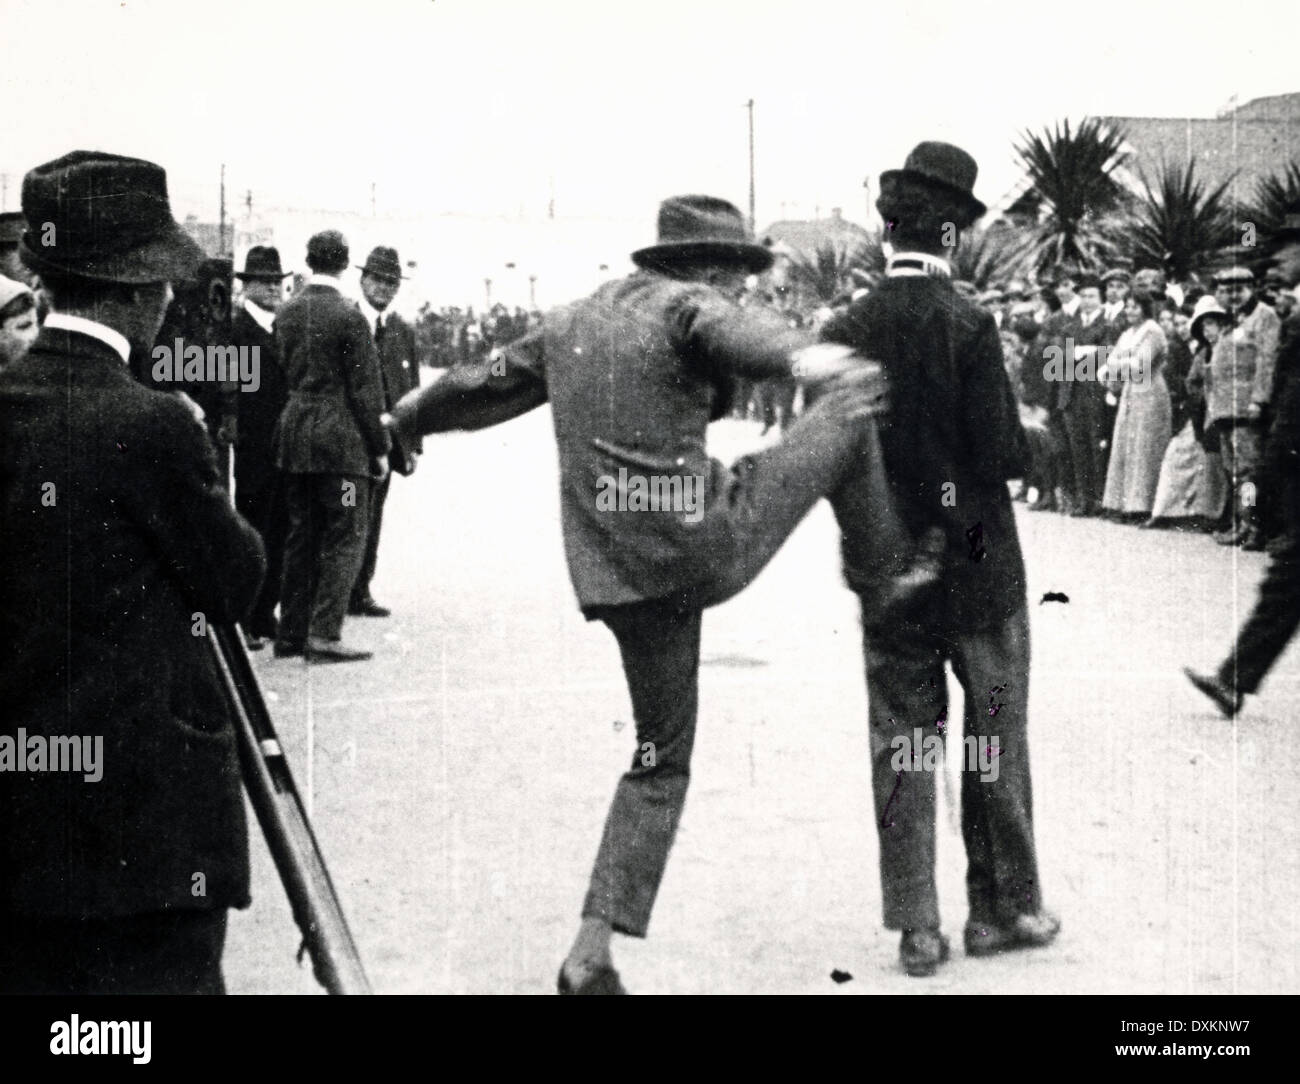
point(383, 264)
point(106, 218)
point(943, 166)
point(703, 229)
point(263, 262)
point(1206, 305)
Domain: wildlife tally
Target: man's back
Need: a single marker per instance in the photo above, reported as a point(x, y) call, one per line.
point(953, 436)
point(331, 423)
point(125, 543)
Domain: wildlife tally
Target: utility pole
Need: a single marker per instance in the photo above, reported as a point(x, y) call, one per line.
point(750, 106)
point(248, 202)
point(221, 218)
point(372, 199)
point(532, 291)
point(487, 289)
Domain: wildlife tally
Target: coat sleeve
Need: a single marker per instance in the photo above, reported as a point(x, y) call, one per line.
point(998, 447)
point(1270, 329)
point(724, 339)
point(508, 382)
point(364, 381)
point(211, 551)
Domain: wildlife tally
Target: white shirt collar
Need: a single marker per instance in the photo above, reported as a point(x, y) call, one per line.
point(332, 281)
point(264, 318)
point(372, 314)
point(917, 263)
point(62, 321)
point(1072, 307)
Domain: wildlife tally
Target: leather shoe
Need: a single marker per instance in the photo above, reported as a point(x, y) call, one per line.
point(922, 951)
point(320, 649)
point(368, 607)
point(602, 981)
point(1027, 931)
point(1227, 699)
point(287, 649)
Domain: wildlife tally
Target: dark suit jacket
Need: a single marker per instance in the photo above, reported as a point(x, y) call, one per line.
point(953, 419)
point(331, 422)
point(1074, 334)
point(398, 367)
point(258, 412)
point(633, 374)
point(104, 574)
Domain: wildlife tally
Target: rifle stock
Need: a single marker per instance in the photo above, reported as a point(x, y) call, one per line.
point(274, 796)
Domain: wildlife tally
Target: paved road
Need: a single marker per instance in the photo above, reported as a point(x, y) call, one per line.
point(459, 781)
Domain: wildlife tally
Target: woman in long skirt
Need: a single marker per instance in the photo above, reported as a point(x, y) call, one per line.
point(1143, 424)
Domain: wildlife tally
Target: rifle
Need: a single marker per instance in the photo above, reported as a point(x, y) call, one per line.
point(288, 832)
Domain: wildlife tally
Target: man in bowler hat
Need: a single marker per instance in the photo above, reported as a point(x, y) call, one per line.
point(259, 485)
point(655, 531)
point(119, 862)
point(951, 443)
point(1276, 616)
point(331, 444)
point(399, 372)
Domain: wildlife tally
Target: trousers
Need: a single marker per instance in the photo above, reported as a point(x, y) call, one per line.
point(260, 499)
point(378, 496)
point(906, 689)
point(824, 454)
point(329, 518)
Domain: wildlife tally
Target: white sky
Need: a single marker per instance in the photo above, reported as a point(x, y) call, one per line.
point(471, 106)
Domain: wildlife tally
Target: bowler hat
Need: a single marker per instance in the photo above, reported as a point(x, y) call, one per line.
point(12, 224)
point(703, 229)
point(104, 217)
point(328, 248)
point(945, 167)
point(1087, 281)
point(383, 264)
point(263, 262)
point(1206, 305)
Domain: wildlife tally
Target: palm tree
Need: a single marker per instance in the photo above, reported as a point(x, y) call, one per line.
point(1266, 210)
point(1176, 225)
point(1072, 174)
point(826, 273)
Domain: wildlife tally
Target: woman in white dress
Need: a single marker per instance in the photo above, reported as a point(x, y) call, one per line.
point(1144, 422)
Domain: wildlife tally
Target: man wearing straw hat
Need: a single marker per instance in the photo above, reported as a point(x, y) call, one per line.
point(655, 530)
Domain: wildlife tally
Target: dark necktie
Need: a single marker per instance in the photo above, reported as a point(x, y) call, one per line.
point(379, 330)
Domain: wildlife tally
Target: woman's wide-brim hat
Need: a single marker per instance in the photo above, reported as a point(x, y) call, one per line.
point(104, 217)
point(263, 264)
point(1206, 305)
point(944, 167)
point(703, 230)
point(11, 289)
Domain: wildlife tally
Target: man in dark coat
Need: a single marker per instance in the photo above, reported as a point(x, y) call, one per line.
point(331, 443)
point(1081, 400)
point(1276, 616)
point(952, 441)
point(399, 372)
point(654, 530)
point(259, 486)
point(122, 833)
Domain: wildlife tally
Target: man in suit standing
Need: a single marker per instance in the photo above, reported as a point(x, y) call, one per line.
point(655, 531)
point(1053, 340)
point(121, 545)
point(331, 444)
point(399, 372)
point(259, 487)
point(1081, 400)
point(951, 443)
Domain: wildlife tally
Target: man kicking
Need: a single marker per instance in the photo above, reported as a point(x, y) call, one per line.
point(634, 374)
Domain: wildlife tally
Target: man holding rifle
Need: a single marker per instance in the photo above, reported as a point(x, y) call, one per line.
point(122, 833)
